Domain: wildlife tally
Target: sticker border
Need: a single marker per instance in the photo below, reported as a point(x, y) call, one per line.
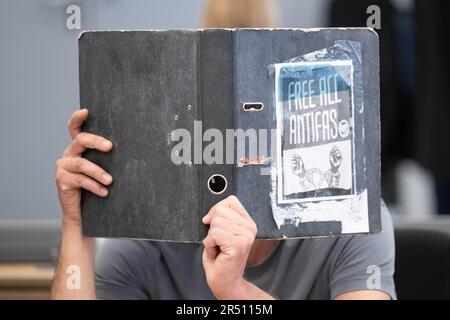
point(279, 130)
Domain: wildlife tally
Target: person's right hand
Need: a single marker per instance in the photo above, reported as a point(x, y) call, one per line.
point(74, 172)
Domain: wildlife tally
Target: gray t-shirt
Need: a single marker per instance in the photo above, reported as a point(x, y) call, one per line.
point(318, 268)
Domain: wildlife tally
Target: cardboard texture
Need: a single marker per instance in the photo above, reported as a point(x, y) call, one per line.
point(139, 86)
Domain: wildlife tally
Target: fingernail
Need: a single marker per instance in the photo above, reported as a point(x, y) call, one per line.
point(106, 144)
point(106, 178)
point(104, 191)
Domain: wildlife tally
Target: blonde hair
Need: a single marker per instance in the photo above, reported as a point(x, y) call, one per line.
point(240, 14)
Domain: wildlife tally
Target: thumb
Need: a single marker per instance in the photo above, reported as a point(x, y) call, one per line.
point(210, 248)
point(206, 218)
point(210, 252)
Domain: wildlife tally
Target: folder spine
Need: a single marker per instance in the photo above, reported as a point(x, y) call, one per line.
point(216, 104)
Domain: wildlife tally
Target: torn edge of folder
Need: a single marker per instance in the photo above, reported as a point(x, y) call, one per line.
point(317, 212)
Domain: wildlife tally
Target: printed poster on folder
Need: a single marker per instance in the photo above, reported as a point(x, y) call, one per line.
point(315, 147)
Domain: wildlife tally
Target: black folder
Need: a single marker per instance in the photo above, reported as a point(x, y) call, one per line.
point(317, 90)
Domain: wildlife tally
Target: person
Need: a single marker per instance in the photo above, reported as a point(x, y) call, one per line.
point(241, 14)
point(228, 264)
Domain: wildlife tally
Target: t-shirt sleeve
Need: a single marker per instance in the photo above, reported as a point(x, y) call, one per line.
point(366, 261)
point(119, 273)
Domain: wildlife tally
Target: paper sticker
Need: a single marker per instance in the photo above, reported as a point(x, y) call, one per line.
point(318, 175)
point(315, 140)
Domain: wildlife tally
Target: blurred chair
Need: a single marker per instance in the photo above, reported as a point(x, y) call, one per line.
point(422, 267)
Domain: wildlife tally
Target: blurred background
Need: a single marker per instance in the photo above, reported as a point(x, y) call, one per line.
point(39, 91)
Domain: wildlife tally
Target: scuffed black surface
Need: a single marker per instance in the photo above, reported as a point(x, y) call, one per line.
point(134, 84)
point(216, 99)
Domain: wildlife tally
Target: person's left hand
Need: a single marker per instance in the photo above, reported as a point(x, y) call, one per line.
point(227, 246)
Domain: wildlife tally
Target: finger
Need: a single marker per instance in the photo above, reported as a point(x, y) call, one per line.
point(71, 181)
point(210, 247)
point(228, 242)
point(234, 203)
point(76, 121)
point(225, 212)
point(211, 252)
point(208, 241)
point(86, 167)
point(231, 214)
point(232, 217)
point(238, 236)
point(217, 238)
point(231, 202)
point(230, 226)
point(84, 141)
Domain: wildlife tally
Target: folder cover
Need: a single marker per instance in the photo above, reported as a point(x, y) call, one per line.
point(285, 119)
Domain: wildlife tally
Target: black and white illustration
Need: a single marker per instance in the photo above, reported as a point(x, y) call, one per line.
point(315, 149)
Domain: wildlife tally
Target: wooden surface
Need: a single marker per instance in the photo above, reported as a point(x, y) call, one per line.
point(25, 280)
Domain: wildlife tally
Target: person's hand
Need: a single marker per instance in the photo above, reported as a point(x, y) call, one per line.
point(74, 172)
point(226, 247)
point(335, 159)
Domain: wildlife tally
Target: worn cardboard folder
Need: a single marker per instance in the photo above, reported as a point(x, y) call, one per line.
point(184, 109)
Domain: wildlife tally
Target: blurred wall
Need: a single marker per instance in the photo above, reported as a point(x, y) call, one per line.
point(39, 81)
